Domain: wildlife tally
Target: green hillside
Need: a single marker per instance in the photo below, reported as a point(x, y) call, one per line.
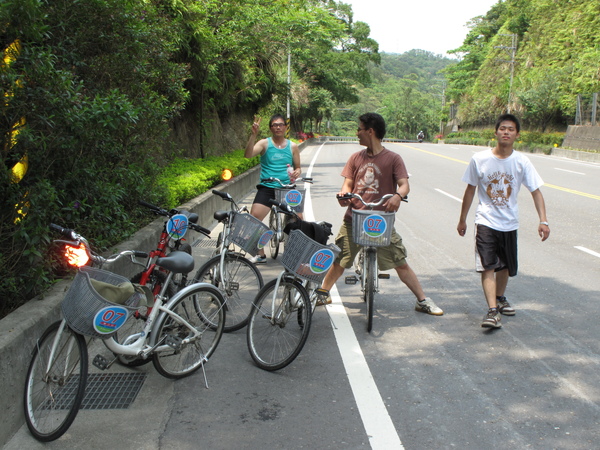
point(556, 57)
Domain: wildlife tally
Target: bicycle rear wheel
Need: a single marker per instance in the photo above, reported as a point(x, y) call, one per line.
point(240, 286)
point(182, 352)
point(136, 321)
point(278, 328)
point(54, 389)
point(369, 273)
point(274, 242)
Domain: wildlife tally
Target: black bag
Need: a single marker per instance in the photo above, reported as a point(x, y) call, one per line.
point(319, 232)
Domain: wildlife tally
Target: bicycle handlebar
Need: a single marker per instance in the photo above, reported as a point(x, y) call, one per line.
point(77, 240)
point(287, 186)
point(283, 207)
point(163, 212)
point(349, 196)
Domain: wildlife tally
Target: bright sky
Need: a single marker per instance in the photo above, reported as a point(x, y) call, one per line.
point(433, 25)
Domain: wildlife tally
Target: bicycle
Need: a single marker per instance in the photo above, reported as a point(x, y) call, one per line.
point(281, 314)
point(153, 276)
point(294, 198)
point(370, 230)
point(237, 277)
point(180, 335)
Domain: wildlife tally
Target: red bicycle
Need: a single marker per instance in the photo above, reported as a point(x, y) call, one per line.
point(154, 276)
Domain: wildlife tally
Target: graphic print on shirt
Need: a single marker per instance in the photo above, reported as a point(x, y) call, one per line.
point(499, 188)
point(368, 182)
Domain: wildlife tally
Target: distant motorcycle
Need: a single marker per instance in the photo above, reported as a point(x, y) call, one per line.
point(420, 137)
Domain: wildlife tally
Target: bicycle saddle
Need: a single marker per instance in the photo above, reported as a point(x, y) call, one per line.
point(177, 262)
point(221, 215)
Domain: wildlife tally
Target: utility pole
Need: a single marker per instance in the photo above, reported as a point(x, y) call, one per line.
point(289, 93)
point(512, 53)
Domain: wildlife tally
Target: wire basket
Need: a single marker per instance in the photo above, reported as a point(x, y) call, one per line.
point(306, 258)
point(249, 233)
point(372, 228)
point(89, 313)
point(293, 197)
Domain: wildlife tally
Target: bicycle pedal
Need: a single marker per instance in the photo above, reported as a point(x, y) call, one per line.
point(173, 342)
point(233, 286)
point(351, 279)
point(101, 362)
point(384, 276)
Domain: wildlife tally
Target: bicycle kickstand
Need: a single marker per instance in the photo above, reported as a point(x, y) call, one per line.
point(204, 373)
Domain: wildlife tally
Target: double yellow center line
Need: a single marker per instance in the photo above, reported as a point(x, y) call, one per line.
point(552, 186)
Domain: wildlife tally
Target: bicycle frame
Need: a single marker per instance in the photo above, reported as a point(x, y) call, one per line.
point(145, 344)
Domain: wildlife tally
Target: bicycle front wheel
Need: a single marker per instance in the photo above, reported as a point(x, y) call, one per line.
point(278, 327)
point(182, 351)
point(274, 242)
point(55, 387)
point(370, 274)
point(241, 282)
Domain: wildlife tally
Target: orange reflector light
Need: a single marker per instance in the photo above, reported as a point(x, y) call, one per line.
point(226, 174)
point(77, 256)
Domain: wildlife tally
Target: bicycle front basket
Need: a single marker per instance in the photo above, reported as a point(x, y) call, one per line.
point(249, 233)
point(306, 258)
point(372, 228)
point(88, 312)
point(293, 197)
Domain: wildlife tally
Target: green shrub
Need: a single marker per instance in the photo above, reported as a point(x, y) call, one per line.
point(185, 178)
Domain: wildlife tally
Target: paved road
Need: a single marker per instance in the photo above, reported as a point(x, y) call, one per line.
point(417, 381)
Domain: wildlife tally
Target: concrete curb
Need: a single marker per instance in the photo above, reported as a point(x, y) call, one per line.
point(20, 329)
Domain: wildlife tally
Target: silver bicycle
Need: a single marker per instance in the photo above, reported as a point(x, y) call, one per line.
point(180, 335)
point(281, 314)
point(228, 269)
point(370, 229)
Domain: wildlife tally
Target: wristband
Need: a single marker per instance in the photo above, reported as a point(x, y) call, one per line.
point(399, 194)
point(545, 223)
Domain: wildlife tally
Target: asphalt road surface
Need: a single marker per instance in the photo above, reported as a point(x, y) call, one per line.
point(416, 381)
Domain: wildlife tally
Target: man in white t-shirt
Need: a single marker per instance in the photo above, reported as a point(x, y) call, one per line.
point(497, 175)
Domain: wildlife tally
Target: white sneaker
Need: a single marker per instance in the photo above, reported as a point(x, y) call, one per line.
point(258, 259)
point(427, 306)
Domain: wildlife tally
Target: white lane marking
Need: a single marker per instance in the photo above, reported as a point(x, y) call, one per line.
point(570, 171)
point(377, 422)
point(587, 250)
point(449, 195)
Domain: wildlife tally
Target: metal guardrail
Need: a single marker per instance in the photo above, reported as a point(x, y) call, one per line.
point(335, 139)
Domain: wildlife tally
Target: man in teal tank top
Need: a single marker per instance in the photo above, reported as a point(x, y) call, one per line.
point(276, 153)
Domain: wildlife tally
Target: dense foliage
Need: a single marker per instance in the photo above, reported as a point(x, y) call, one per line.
point(407, 90)
point(100, 95)
point(557, 57)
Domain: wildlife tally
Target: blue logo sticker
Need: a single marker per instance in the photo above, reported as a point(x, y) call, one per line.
point(110, 319)
point(265, 238)
point(321, 261)
point(374, 225)
point(177, 226)
point(293, 198)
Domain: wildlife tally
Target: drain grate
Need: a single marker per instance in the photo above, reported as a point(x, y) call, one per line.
point(112, 390)
point(205, 243)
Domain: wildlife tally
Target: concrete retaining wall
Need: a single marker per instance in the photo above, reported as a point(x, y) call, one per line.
point(584, 137)
point(20, 329)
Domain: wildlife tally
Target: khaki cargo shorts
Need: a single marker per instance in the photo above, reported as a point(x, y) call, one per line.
point(390, 257)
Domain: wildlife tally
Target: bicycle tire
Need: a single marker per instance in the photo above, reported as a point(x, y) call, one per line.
point(274, 242)
point(52, 400)
point(202, 306)
point(136, 322)
point(370, 260)
point(243, 281)
point(273, 344)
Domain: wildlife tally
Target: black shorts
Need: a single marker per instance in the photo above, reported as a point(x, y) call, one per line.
point(495, 250)
point(263, 195)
